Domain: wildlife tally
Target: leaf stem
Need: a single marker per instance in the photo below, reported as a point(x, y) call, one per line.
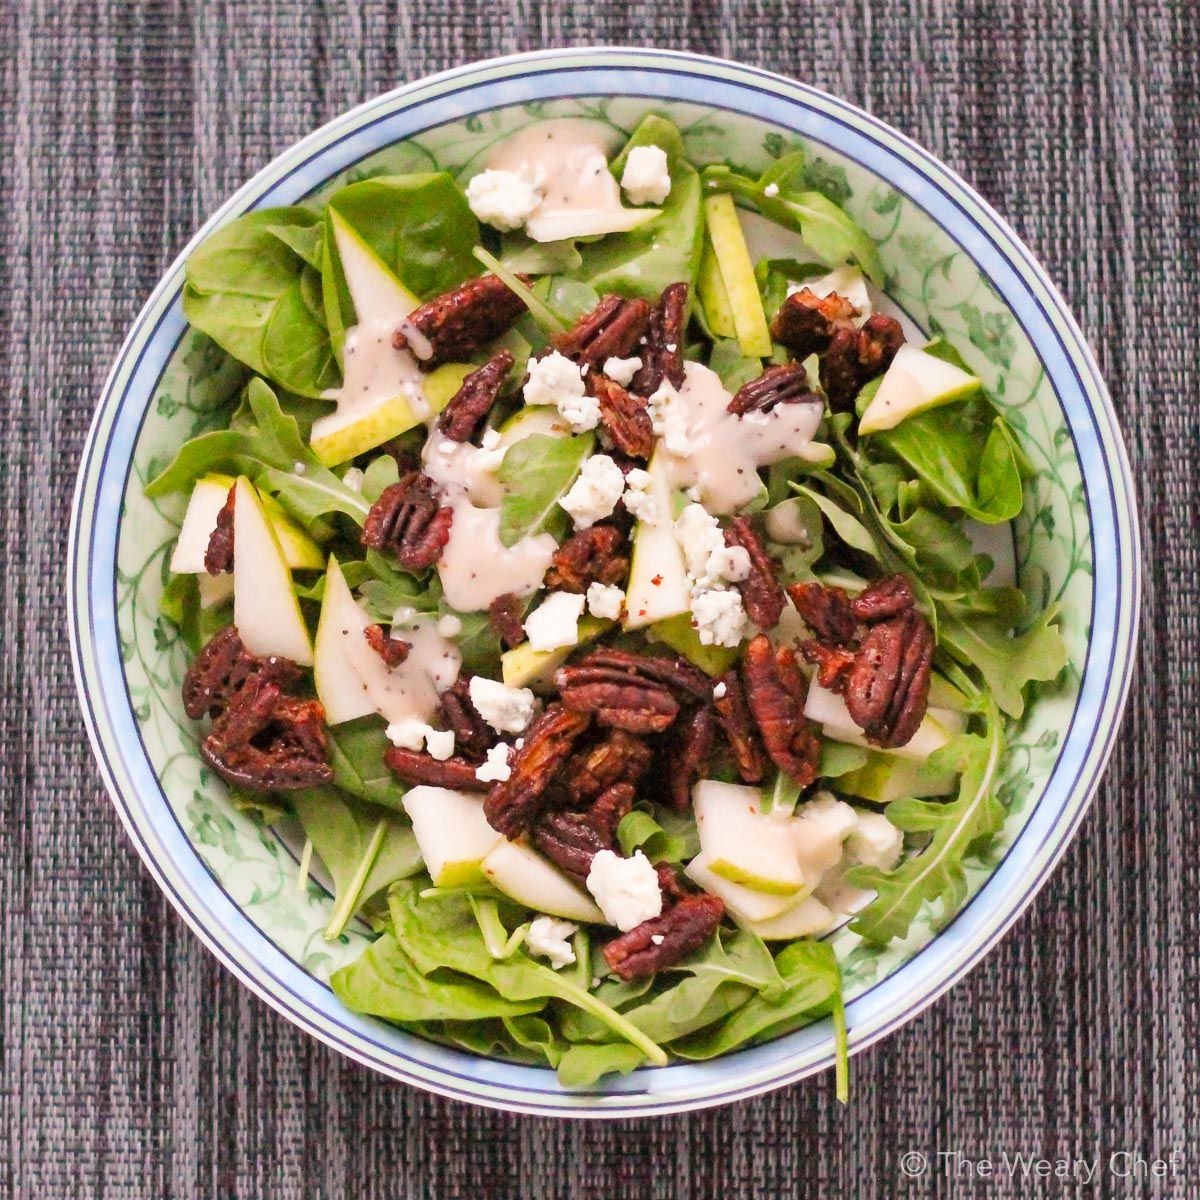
point(541, 312)
point(576, 995)
point(348, 901)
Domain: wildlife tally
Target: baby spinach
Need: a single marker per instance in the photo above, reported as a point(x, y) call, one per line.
point(356, 750)
point(538, 471)
point(639, 830)
point(581, 1066)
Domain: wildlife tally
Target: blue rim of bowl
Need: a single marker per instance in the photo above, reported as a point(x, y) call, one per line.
point(971, 223)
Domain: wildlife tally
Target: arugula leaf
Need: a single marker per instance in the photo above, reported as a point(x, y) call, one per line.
point(847, 526)
point(180, 604)
point(838, 759)
point(538, 471)
point(639, 830)
point(260, 300)
point(356, 750)
point(477, 642)
point(389, 588)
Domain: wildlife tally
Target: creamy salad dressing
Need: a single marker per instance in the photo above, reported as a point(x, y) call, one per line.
point(466, 467)
point(725, 450)
point(374, 371)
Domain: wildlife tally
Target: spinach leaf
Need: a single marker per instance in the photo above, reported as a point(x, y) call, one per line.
point(258, 299)
point(356, 750)
point(663, 251)
point(639, 830)
point(538, 471)
point(305, 241)
point(477, 642)
point(581, 1066)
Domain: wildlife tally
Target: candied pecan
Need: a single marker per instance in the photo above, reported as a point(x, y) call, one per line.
point(677, 673)
point(775, 691)
point(218, 554)
point(415, 766)
point(887, 689)
point(806, 322)
point(610, 330)
point(685, 757)
point(504, 616)
point(268, 741)
point(512, 804)
point(618, 758)
point(825, 610)
point(624, 417)
point(618, 699)
point(668, 883)
point(392, 650)
point(598, 554)
point(733, 716)
point(610, 808)
point(569, 840)
point(473, 737)
point(883, 599)
point(662, 355)
point(684, 927)
point(762, 593)
point(456, 323)
point(407, 521)
point(856, 356)
point(223, 667)
point(786, 383)
point(833, 663)
point(474, 399)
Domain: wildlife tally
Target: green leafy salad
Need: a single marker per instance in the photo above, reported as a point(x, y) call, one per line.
point(592, 569)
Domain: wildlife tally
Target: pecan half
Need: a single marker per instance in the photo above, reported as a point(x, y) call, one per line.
point(610, 330)
point(569, 840)
point(456, 323)
point(392, 650)
point(883, 599)
point(685, 757)
point(618, 758)
point(218, 554)
point(736, 723)
point(677, 673)
point(611, 807)
point(684, 927)
point(473, 736)
point(268, 741)
point(806, 322)
point(775, 691)
point(598, 554)
point(504, 616)
point(762, 593)
point(512, 804)
point(825, 610)
point(415, 766)
point(617, 698)
point(407, 520)
point(662, 355)
point(856, 356)
point(833, 663)
point(624, 417)
point(221, 670)
point(474, 399)
point(887, 688)
point(786, 383)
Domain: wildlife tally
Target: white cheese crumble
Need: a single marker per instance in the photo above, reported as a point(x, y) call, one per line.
point(821, 828)
point(772, 190)
point(730, 562)
point(402, 616)
point(647, 176)
point(556, 380)
point(555, 623)
point(505, 709)
point(668, 419)
point(622, 370)
point(353, 478)
point(495, 768)
point(503, 199)
point(490, 454)
point(605, 601)
point(638, 500)
point(657, 939)
point(874, 841)
point(719, 617)
point(595, 492)
point(449, 626)
point(413, 734)
point(547, 938)
point(626, 889)
point(719, 691)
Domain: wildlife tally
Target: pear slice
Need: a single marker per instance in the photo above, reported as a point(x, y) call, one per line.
point(568, 223)
point(265, 609)
point(807, 918)
point(741, 844)
point(884, 778)
point(744, 904)
point(340, 436)
point(680, 634)
point(452, 833)
point(529, 879)
point(215, 590)
point(657, 587)
point(376, 292)
point(914, 383)
point(523, 666)
point(737, 273)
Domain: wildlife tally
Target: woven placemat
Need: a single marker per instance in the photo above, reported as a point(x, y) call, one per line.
point(133, 1066)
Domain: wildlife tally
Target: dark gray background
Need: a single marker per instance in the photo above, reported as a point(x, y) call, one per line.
point(134, 1067)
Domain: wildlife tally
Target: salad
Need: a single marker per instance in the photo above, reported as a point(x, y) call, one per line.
point(594, 566)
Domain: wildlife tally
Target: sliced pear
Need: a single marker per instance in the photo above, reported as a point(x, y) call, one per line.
point(529, 879)
point(534, 418)
point(808, 918)
point(265, 609)
point(215, 590)
point(744, 904)
point(523, 666)
point(737, 273)
point(847, 282)
point(657, 587)
point(441, 384)
point(743, 845)
point(341, 436)
point(376, 292)
point(299, 550)
point(680, 634)
point(713, 296)
point(914, 383)
point(452, 832)
point(569, 224)
point(819, 831)
point(884, 778)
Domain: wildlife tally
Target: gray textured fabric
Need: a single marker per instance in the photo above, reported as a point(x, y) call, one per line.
point(134, 1067)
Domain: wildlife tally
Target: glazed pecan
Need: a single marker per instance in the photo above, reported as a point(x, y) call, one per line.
point(663, 941)
point(473, 737)
point(805, 322)
point(505, 618)
point(452, 326)
point(415, 766)
point(218, 554)
point(856, 356)
point(392, 650)
point(598, 554)
point(762, 593)
point(223, 667)
point(737, 724)
point(668, 883)
point(569, 840)
point(685, 757)
point(887, 688)
point(512, 804)
point(624, 417)
point(678, 674)
point(618, 758)
point(775, 691)
point(474, 399)
point(611, 330)
point(883, 599)
point(268, 741)
point(407, 520)
point(833, 663)
point(786, 383)
point(620, 699)
point(662, 355)
point(825, 610)
point(611, 807)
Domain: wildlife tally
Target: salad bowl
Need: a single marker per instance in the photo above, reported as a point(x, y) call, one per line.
point(953, 268)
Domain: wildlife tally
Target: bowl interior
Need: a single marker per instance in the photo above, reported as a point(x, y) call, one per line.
point(238, 878)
